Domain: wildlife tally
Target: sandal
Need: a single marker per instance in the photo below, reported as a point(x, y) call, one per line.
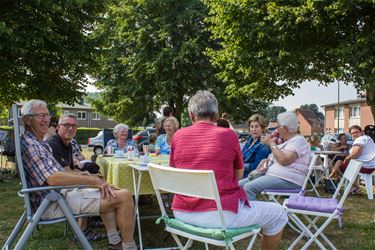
point(118, 246)
point(96, 224)
point(91, 235)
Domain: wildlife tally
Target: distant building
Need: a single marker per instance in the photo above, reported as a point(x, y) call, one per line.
point(309, 123)
point(351, 112)
point(86, 115)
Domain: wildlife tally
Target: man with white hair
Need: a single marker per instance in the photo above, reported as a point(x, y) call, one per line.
point(115, 206)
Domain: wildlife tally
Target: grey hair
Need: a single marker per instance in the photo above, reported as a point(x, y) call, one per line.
point(30, 105)
point(118, 127)
point(173, 120)
point(203, 105)
point(288, 120)
point(70, 115)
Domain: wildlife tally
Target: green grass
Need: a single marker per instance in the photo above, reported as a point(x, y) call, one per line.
point(358, 231)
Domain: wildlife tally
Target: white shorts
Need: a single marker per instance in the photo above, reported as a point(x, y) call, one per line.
point(270, 216)
point(80, 201)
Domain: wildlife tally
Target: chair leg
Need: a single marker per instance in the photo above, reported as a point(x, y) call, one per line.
point(15, 231)
point(251, 243)
point(367, 178)
point(175, 237)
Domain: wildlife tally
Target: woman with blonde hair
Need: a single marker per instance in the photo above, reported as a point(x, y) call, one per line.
point(164, 141)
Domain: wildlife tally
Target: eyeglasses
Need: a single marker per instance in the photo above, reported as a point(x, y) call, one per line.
point(68, 125)
point(41, 115)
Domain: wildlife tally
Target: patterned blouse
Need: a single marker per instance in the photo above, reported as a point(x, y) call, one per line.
point(161, 142)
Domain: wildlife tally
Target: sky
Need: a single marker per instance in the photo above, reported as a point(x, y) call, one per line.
point(312, 93)
point(309, 93)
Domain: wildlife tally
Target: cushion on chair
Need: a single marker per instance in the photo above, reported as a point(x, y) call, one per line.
point(325, 205)
point(217, 234)
point(274, 190)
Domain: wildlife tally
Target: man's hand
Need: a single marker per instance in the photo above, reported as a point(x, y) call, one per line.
point(106, 189)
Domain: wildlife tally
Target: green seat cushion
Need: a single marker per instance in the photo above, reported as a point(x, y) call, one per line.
point(217, 234)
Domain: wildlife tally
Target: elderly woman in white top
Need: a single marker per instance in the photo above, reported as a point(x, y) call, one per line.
point(120, 132)
point(363, 150)
point(288, 163)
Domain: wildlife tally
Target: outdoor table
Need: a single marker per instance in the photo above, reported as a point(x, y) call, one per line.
point(128, 174)
point(325, 166)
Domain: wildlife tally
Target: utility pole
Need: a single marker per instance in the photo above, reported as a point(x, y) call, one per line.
point(338, 106)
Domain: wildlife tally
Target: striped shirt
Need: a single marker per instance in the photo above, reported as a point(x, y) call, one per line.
point(39, 164)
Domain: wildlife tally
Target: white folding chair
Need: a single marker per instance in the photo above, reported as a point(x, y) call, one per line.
point(275, 194)
point(200, 184)
point(329, 208)
point(369, 183)
point(53, 196)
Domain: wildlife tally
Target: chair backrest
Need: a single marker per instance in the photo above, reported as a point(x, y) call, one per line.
point(193, 183)
point(312, 162)
point(350, 177)
point(19, 164)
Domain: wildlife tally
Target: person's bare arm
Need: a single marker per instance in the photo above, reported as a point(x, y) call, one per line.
point(69, 178)
point(356, 151)
point(283, 157)
point(239, 173)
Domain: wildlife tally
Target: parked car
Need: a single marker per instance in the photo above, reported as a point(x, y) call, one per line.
point(330, 139)
point(243, 136)
point(100, 140)
point(141, 138)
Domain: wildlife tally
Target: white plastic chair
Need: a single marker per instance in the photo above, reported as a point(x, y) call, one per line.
point(369, 183)
point(329, 208)
point(200, 184)
point(28, 215)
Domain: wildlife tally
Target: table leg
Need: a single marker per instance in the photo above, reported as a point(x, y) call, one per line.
point(137, 187)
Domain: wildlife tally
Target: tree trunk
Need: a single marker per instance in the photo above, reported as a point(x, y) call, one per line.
point(370, 98)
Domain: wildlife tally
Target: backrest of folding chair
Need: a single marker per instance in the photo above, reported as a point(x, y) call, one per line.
point(19, 163)
point(350, 176)
point(312, 162)
point(193, 183)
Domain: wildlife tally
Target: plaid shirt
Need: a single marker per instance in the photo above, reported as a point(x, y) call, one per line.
point(38, 163)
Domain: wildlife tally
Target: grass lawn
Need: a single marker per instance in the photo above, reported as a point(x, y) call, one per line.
point(358, 231)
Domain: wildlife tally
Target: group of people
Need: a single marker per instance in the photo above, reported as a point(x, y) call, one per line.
point(280, 162)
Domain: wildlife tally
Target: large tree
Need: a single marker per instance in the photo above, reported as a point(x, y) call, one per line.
point(153, 55)
point(270, 47)
point(46, 48)
point(314, 108)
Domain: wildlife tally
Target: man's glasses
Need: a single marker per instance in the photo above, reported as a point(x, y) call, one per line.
point(68, 125)
point(41, 115)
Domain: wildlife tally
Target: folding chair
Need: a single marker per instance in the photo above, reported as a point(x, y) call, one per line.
point(369, 183)
point(28, 215)
point(329, 208)
point(275, 194)
point(200, 184)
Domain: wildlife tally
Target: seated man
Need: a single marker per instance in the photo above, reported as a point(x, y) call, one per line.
point(116, 207)
point(204, 146)
point(62, 150)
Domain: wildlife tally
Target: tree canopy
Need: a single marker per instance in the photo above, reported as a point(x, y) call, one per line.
point(314, 108)
point(46, 48)
point(267, 48)
point(154, 54)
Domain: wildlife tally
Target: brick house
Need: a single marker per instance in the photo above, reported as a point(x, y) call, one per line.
point(309, 123)
point(351, 112)
point(86, 116)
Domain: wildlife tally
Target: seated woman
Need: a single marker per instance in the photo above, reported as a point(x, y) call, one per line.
point(341, 146)
point(289, 164)
point(363, 150)
point(164, 141)
point(254, 151)
point(120, 132)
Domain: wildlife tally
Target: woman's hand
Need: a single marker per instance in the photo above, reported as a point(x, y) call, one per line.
point(266, 139)
point(262, 166)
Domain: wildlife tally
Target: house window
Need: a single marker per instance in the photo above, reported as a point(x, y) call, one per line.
point(95, 116)
point(341, 113)
point(355, 111)
point(66, 112)
point(19, 113)
point(81, 115)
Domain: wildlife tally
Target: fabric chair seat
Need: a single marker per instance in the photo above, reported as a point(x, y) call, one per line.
point(213, 233)
point(315, 204)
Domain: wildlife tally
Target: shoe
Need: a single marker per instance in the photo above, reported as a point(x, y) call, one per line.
point(91, 235)
point(118, 246)
point(355, 191)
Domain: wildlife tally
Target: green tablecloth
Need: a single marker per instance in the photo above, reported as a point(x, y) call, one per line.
point(118, 172)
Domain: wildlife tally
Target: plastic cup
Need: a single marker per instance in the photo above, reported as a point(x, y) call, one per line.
point(157, 150)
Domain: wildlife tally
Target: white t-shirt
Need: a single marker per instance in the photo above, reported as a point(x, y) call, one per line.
point(368, 151)
point(296, 171)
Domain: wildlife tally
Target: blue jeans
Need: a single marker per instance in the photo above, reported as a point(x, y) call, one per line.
point(255, 187)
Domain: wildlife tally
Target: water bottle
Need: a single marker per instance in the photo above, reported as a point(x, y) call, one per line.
point(130, 153)
point(135, 152)
point(109, 150)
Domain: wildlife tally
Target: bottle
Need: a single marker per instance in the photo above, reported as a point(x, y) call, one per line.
point(130, 153)
point(109, 150)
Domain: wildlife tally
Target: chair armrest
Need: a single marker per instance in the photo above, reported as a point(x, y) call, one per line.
point(36, 189)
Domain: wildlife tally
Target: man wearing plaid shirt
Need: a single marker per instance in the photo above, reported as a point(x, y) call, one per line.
point(114, 205)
